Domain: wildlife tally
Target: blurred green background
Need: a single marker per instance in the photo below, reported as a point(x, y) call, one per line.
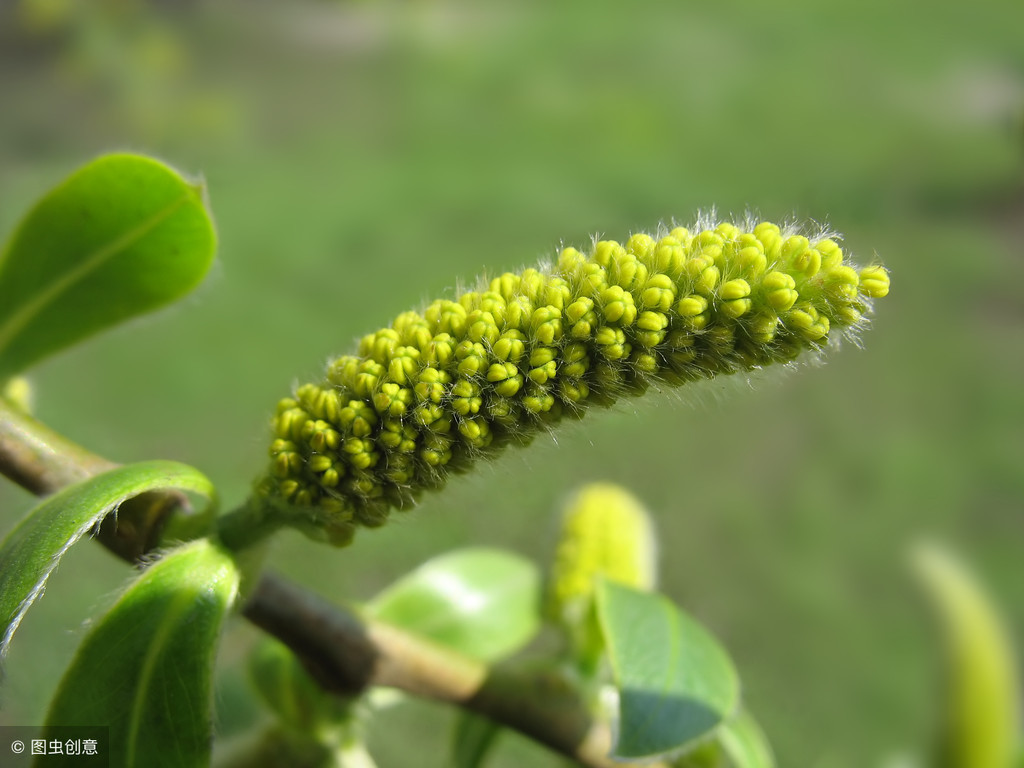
point(365, 157)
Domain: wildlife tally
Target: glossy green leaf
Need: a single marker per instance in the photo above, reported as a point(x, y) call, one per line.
point(481, 602)
point(121, 236)
point(745, 743)
point(473, 739)
point(146, 668)
point(676, 684)
point(981, 727)
point(32, 551)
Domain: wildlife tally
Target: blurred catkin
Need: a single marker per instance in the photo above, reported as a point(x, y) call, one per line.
point(606, 533)
point(465, 378)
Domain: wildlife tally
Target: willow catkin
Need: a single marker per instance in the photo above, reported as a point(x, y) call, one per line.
point(467, 377)
point(606, 533)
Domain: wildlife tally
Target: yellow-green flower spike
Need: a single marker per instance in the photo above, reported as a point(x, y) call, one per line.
point(466, 378)
point(606, 532)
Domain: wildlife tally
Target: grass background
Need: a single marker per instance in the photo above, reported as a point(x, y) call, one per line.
point(365, 157)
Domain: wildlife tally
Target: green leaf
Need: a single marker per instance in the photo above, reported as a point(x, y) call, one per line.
point(745, 743)
point(480, 602)
point(982, 717)
point(291, 693)
point(473, 739)
point(146, 668)
point(32, 551)
point(738, 743)
point(121, 236)
point(676, 684)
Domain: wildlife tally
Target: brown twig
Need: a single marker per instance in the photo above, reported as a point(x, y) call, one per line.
point(37, 458)
point(346, 653)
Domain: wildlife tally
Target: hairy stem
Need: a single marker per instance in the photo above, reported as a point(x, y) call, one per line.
point(246, 526)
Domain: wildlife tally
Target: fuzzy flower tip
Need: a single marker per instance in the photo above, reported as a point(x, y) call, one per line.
point(606, 532)
point(467, 377)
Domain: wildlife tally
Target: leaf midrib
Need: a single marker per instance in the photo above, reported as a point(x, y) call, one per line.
point(28, 311)
point(180, 605)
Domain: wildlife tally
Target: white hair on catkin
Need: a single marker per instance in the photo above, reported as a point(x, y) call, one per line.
point(517, 354)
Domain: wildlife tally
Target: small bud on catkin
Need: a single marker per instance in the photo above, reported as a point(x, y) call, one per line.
point(466, 378)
